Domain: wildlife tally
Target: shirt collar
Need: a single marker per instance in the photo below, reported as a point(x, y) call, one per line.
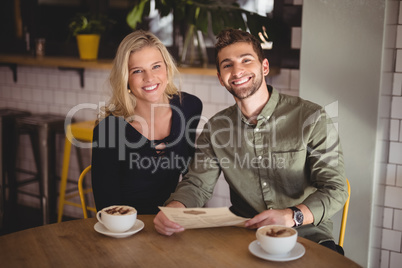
point(268, 109)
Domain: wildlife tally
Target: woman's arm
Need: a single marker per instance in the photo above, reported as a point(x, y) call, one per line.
point(105, 164)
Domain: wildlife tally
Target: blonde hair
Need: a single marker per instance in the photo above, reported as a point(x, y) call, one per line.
point(122, 103)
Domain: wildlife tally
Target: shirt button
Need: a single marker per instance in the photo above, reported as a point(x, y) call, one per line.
point(257, 129)
point(264, 184)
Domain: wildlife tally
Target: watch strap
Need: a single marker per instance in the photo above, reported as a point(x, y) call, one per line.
point(297, 216)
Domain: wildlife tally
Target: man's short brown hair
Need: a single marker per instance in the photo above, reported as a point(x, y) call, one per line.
point(231, 36)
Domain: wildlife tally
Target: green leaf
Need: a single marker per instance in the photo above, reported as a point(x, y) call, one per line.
point(217, 21)
point(135, 15)
point(87, 23)
point(202, 21)
point(227, 21)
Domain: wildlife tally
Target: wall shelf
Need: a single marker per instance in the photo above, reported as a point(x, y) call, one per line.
point(75, 64)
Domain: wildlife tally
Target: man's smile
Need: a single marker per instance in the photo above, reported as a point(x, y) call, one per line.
point(241, 81)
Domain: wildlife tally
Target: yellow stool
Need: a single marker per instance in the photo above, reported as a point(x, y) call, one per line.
point(82, 131)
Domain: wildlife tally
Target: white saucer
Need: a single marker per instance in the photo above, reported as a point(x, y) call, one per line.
point(297, 252)
point(138, 225)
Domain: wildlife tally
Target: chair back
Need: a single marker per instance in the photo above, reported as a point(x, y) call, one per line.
point(83, 192)
point(344, 217)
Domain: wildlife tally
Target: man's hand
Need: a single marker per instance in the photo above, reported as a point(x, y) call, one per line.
point(165, 226)
point(271, 217)
point(279, 217)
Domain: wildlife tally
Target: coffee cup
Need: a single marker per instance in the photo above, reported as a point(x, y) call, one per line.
point(117, 219)
point(276, 239)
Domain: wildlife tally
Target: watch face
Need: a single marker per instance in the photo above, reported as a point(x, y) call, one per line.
point(298, 217)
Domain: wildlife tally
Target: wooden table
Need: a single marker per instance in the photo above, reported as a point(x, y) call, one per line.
point(76, 244)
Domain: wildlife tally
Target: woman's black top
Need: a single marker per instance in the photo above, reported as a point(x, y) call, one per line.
point(128, 170)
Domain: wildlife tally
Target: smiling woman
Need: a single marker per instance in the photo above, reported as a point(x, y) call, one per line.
point(146, 136)
point(148, 79)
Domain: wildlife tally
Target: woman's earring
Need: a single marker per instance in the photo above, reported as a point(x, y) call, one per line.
point(129, 91)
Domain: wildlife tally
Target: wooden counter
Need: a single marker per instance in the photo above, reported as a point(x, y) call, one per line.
point(76, 63)
point(68, 62)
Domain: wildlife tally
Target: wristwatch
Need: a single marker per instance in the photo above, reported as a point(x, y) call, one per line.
point(297, 216)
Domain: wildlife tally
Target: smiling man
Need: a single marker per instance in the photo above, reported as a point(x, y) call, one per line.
point(280, 154)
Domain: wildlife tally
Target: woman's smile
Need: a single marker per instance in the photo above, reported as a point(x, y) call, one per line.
point(151, 88)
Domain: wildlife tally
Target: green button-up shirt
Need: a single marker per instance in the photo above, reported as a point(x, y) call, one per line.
point(292, 155)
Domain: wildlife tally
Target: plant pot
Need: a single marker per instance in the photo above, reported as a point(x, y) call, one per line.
point(88, 45)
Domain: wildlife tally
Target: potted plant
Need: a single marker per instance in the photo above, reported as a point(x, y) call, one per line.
point(87, 28)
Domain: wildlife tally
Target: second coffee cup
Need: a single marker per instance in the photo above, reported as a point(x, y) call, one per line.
point(276, 239)
point(117, 219)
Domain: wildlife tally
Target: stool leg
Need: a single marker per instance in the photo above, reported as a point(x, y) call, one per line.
point(79, 158)
point(34, 137)
point(80, 162)
point(12, 174)
point(8, 148)
point(3, 177)
point(64, 176)
point(46, 146)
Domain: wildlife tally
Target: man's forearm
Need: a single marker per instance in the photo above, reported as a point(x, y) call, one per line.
point(175, 204)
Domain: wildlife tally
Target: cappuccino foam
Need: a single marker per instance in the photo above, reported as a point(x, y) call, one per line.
point(120, 210)
point(279, 232)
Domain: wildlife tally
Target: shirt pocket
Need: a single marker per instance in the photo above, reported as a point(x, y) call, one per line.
point(289, 174)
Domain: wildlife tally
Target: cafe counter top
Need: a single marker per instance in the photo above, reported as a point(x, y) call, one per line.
point(72, 62)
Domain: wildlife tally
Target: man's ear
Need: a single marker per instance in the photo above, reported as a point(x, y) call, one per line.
point(265, 67)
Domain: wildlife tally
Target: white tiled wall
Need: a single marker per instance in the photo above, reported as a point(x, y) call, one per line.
point(391, 242)
point(40, 90)
point(296, 38)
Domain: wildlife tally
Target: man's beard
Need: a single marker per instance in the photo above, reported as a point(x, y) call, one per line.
point(243, 93)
